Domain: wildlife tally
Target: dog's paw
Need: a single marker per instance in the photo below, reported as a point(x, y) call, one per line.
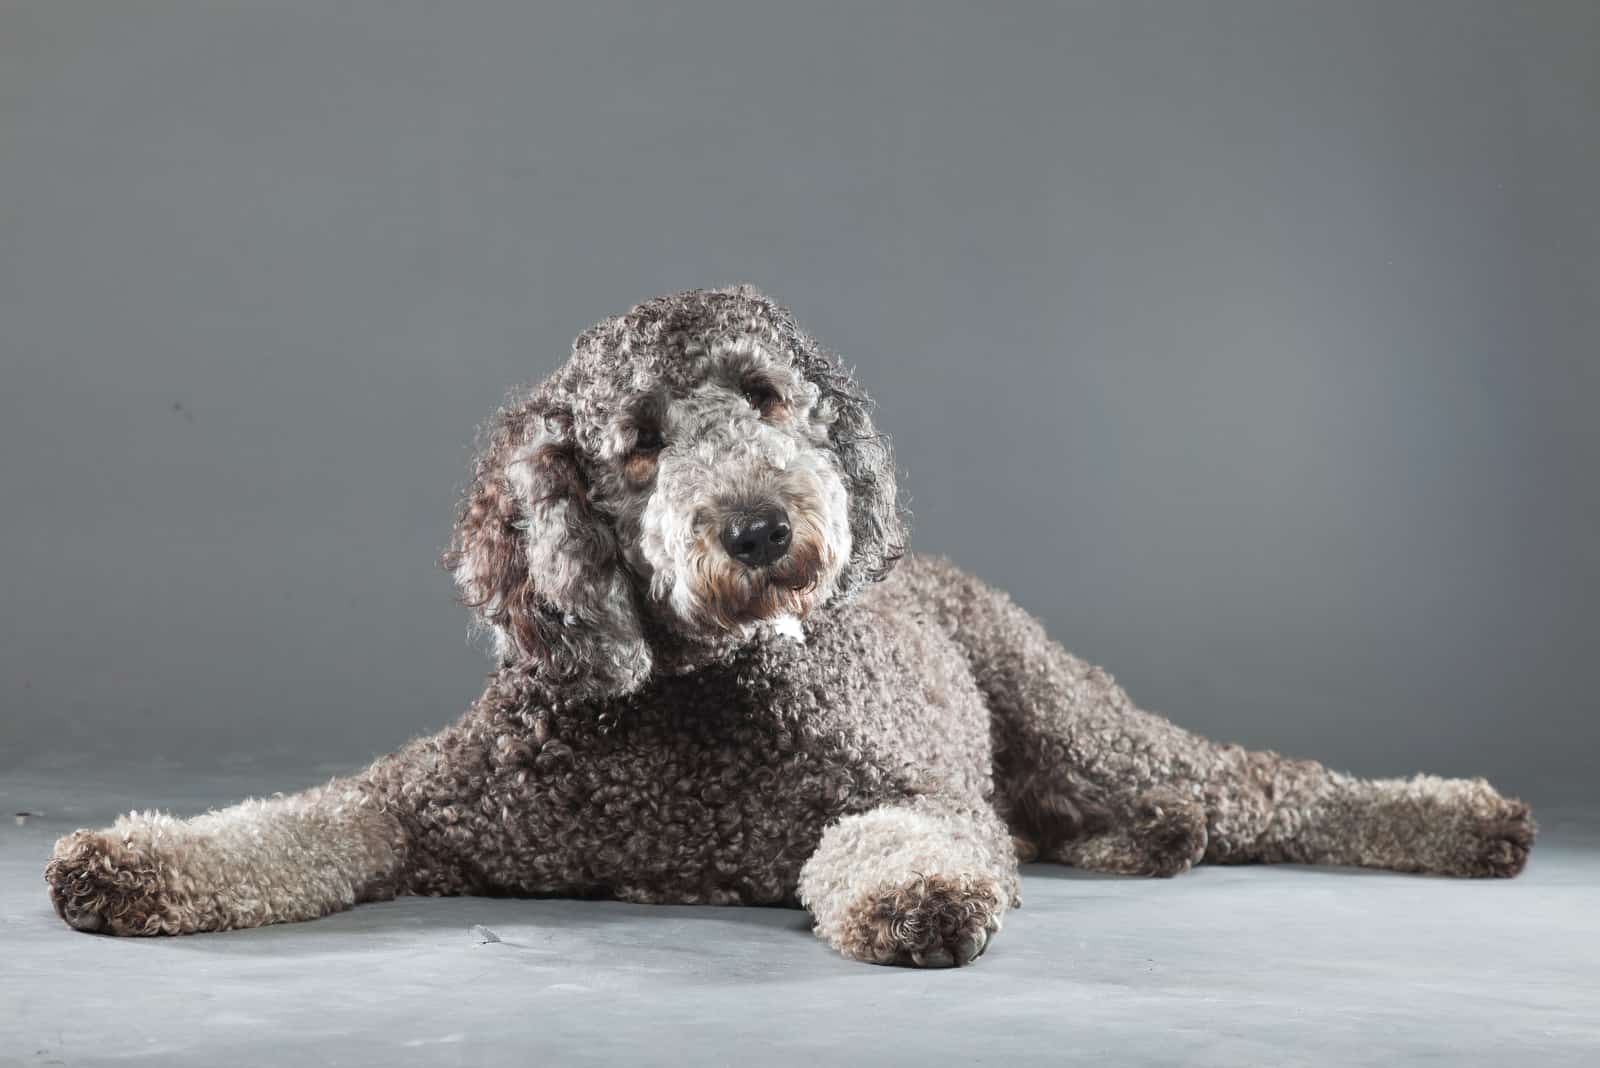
point(1168, 834)
point(1162, 835)
point(932, 921)
point(1493, 838)
point(105, 881)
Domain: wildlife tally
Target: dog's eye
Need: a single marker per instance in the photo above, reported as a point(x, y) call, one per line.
point(763, 398)
point(648, 440)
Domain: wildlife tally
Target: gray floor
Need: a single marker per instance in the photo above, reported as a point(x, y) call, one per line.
point(1226, 966)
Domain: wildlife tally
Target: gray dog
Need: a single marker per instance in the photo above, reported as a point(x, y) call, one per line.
point(721, 680)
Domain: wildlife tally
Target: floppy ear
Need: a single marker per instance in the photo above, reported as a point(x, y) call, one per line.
point(878, 532)
point(539, 567)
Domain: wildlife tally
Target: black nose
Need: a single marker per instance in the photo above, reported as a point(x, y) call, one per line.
point(757, 538)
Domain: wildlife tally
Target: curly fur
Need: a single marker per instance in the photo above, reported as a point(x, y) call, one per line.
point(666, 724)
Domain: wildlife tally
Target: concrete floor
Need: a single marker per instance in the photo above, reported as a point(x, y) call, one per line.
point(1225, 966)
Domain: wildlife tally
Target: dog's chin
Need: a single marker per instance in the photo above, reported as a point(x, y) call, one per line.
point(770, 602)
point(755, 617)
point(715, 598)
point(739, 602)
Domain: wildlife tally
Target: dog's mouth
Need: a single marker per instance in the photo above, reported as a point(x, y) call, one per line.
point(782, 600)
point(724, 595)
point(747, 596)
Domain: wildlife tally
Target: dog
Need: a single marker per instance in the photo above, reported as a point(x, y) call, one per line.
point(722, 679)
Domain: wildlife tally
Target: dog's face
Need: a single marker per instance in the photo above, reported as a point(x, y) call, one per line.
point(726, 496)
point(699, 468)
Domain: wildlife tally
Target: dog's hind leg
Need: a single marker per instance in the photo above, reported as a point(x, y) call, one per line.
point(1306, 814)
point(1082, 776)
point(1085, 777)
point(259, 862)
point(1260, 807)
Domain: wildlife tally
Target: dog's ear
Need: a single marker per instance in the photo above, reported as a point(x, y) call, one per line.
point(539, 567)
point(878, 531)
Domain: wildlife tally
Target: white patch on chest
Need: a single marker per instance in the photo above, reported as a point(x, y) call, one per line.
point(788, 627)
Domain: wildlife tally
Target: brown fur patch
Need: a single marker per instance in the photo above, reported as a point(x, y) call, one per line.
point(640, 467)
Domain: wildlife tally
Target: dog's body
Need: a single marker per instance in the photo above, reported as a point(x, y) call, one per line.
point(716, 686)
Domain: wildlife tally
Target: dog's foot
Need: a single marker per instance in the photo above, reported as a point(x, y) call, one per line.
point(109, 882)
point(1458, 827)
point(933, 921)
point(1162, 835)
point(1491, 837)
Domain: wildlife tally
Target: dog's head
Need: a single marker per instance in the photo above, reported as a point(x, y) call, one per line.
point(699, 468)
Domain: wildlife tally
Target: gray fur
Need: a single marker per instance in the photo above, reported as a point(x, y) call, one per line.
point(877, 744)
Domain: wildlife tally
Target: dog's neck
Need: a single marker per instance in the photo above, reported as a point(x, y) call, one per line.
point(673, 654)
point(677, 653)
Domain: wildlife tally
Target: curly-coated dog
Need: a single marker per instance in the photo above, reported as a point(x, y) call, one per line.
point(720, 680)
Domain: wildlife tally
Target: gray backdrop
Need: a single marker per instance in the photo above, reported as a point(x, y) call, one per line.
point(1250, 344)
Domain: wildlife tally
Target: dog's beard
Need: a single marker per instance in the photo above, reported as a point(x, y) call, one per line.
point(709, 591)
point(717, 592)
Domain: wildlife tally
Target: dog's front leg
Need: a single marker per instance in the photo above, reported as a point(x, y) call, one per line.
point(260, 862)
point(924, 883)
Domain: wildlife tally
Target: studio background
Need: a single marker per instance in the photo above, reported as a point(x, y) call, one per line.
point(1251, 345)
